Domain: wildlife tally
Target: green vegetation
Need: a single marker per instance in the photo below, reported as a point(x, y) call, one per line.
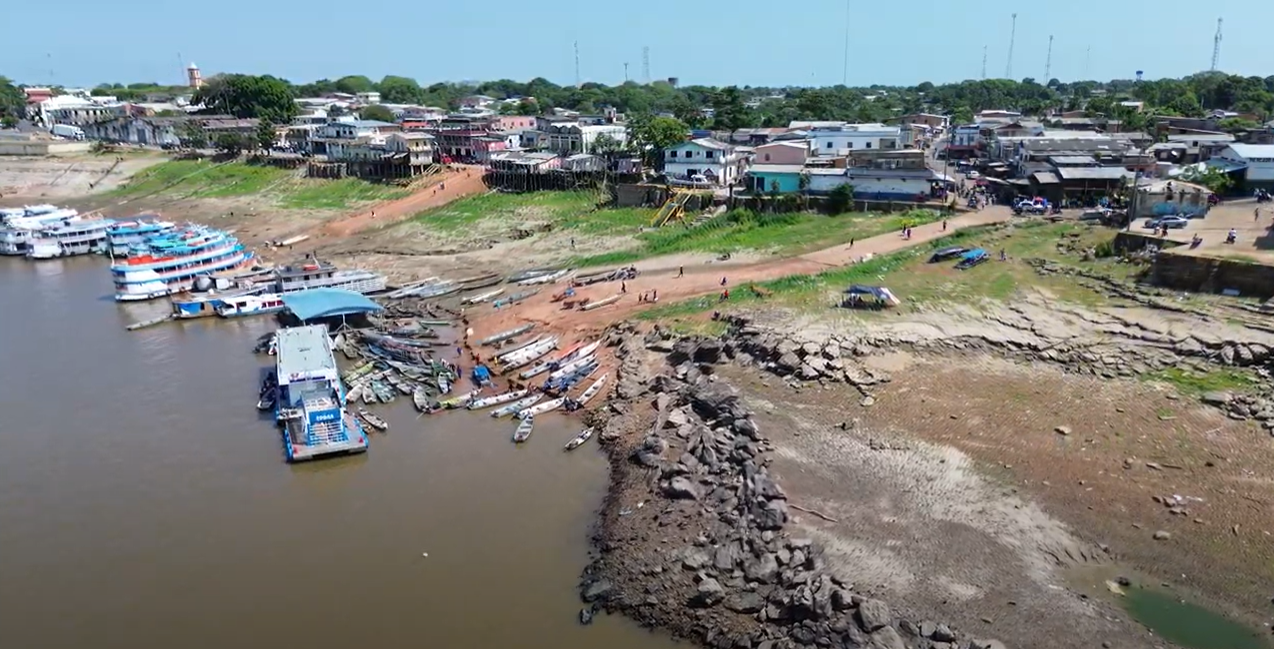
point(565, 210)
point(206, 179)
point(1188, 625)
point(1196, 383)
point(740, 230)
point(919, 283)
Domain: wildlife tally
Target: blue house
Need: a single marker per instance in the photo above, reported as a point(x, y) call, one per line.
point(763, 178)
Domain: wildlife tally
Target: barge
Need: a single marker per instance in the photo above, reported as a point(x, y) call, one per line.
point(311, 400)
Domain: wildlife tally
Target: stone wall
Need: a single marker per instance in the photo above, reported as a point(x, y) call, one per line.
point(43, 147)
point(1212, 275)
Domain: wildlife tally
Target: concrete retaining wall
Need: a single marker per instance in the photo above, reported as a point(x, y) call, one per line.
point(1212, 275)
point(41, 147)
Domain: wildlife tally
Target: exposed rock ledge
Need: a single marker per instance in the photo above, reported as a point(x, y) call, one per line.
point(693, 534)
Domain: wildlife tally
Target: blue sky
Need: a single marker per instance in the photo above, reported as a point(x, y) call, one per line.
point(743, 42)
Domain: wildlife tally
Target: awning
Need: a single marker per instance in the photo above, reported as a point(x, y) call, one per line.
point(327, 303)
point(1226, 166)
point(1045, 178)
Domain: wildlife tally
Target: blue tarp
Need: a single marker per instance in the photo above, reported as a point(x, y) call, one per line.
point(327, 303)
point(973, 254)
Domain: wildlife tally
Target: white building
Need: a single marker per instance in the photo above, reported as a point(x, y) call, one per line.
point(837, 140)
point(720, 163)
point(573, 137)
point(874, 184)
point(78, 110)
point(1254, 161)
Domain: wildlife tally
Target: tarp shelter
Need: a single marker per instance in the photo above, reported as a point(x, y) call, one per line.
point(857, 293)
point(320, 303)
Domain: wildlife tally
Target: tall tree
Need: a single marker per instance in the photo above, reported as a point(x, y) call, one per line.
point(355, 84)
point(652, 135)
point(400, 90)
point(377, 112)
point(245, 96)
point(13, 102)
point(267, 136)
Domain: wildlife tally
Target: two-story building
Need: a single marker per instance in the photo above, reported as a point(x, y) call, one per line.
point(574, 137)
point(1252, 163)
point(704, 160)
point(784, 152)
point(837, 140)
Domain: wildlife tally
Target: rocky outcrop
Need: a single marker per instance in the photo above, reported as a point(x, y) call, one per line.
point(693, 536)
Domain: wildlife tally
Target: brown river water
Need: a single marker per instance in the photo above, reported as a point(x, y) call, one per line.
point(144, 502)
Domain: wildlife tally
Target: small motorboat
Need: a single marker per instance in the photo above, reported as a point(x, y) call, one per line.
point(495, 400)
point(458, 400)
point(268, 399)
point(420, 399)
point(578, 440)
point(541, 408)
point(524, 430)
point(444, 383)
point(372, 420)
point(517, 406)
point(592, 390)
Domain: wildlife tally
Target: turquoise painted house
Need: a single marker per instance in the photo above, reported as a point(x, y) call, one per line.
point(761, 178)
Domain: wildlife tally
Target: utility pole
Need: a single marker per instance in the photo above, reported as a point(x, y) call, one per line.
point(577, 78)
point(1088, 55)
point(1216, 46)
point(1048, 62)
point(844, 75)
point(1008, 67)
point(645, 64)
point(984, 62)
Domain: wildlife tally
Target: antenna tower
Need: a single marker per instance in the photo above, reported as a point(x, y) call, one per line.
point(844, 75)
point(1088, 54)
point(625, 72)
point(1048, 62)
point(1216, 46)
point(983, 61)
point(645, 64)
point(1008, 67)
point(577, 81)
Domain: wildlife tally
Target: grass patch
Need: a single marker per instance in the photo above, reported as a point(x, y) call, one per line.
point(1196, 383)
point(337, 194)
point(739, 230)
point(919, 283)
point(205, 179)
point(201, 179)
point(576, 211)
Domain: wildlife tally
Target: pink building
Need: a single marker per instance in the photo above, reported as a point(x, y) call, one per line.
point(512, 122)
point(783, 153)
point(484, 146)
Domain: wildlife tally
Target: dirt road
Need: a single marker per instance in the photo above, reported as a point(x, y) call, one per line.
point(659, 277)
point(449, 186)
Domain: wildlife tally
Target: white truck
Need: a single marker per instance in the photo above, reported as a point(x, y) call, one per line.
point(67, 131)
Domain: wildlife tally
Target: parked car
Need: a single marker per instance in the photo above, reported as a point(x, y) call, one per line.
point(1170, 222)
point(1095, 214)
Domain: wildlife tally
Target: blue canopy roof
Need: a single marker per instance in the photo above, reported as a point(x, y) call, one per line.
point(974, 254)
point(327, 303)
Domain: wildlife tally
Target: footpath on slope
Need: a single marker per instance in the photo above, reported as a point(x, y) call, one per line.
point(450, 186)
point(705, 280)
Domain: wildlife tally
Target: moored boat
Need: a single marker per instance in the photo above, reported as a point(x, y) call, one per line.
point(245, 305)
point(497, 399)
point(579, 439)
point(420, 398)
point(601, 303)
point(79, 237)
point(517, 406)
point(530, 355)
point(541, 408)
point(314, 273)
point(571, 366)
point(168, 263)
point(482, 297)
point(523, 431)
point(513, 350)
point(372, 419)
point(547, 278)
point(458, 400)
point(505, 335)
point(592, 390)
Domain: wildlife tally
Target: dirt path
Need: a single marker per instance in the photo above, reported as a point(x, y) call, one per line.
point(704, 280)
point(449, 186)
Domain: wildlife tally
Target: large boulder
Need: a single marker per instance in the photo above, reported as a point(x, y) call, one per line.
point(745, 602)
point(886, 638)
point(874, 614)
point(715, 400)
point(651, 451)
point(681, 488)
point(765, 487)
point(596, 590)
point(709, 593)
point(772, 515)
point(788, 363)
point(762, 569)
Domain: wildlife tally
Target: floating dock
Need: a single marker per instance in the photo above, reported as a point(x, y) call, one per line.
point(311, 399)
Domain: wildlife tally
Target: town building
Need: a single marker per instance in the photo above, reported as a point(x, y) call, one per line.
point(524, 161)
point(574, 137)
point(1253, 164)
point(704, 159)
point(782, 153)
point(927, 119)
point(837, 140)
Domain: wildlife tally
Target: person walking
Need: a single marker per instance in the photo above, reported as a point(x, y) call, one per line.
point(851, 242)
point(623, 287)
point(654, 295)
point(681, 271)
point(723, 281)
point(944, 225)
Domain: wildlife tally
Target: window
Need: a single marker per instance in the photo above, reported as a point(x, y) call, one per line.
point(869, 145)
point(708, 155)
point(849, 145)
point(829, 144)
point(767, 157)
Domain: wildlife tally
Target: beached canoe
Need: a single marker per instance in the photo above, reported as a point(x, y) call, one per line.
point(572, 366)
point(516, 406)
point(420, 399)
point(536, 350)
point(523, 430)
point(458, 401)
point(592, 390)
point(497, 399)
point(505, 335)
point(546, 279)
point(601, 303)
point(481, 297)
point(531, 355)
point(541, 408)
point(579, 439)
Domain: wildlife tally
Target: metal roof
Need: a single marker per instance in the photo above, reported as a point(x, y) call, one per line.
point(1093, 173)
point(1253, 150)
point(303, 350)
point(1076, 160)
point(776, 169)
point(327, 303)
point(1045, 177)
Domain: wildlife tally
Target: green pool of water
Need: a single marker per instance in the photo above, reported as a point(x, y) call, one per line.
point(1189, 625)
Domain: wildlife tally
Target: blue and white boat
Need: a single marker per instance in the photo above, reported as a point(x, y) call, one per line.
point(245, 305)
point(77, 237)
point(311, 399)
point(125, 236)
point(172, 262)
